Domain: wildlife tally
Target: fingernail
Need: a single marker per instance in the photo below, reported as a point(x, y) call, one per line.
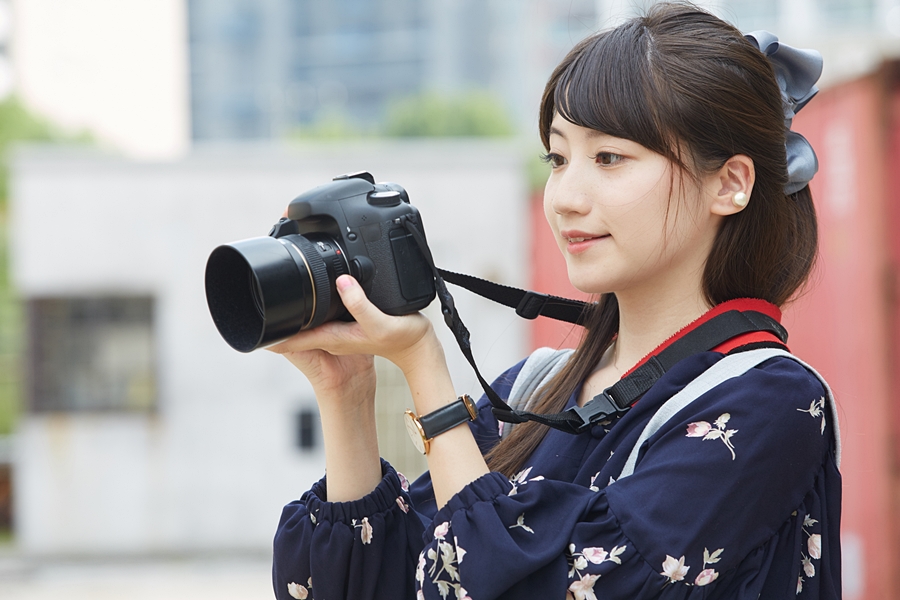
point(344, 282)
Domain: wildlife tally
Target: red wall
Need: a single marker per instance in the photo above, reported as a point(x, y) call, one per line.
point(844, 325)
point(847, 323)
point(550, 276)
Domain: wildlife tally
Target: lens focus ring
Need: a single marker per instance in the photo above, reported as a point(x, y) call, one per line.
point(318, 273)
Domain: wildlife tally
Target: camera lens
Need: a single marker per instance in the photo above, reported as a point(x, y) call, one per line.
point(263, 290)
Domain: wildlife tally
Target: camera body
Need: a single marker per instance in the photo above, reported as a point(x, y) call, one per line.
point(364, 218)
point(263, 290)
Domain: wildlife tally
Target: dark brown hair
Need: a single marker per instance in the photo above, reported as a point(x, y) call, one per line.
point(685, 84)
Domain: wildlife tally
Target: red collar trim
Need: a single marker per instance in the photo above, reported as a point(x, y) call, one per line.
point(741, 304)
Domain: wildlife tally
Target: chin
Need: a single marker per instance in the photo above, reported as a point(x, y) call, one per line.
point(588, 285)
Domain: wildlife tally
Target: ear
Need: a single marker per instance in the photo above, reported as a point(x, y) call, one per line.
point(736, 175)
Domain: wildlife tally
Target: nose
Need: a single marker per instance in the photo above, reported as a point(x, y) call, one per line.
point(569, 190)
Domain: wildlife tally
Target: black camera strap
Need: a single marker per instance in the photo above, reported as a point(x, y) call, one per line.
point(618, 398)
point(528, 305)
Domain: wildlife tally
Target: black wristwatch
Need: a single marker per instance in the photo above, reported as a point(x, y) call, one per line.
point(424, 429)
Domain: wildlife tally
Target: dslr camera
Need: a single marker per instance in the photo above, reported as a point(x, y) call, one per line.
point(263, 290)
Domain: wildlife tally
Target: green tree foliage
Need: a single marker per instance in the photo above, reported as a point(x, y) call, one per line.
point(431, 114)
point(17, 124)
point(331, 125)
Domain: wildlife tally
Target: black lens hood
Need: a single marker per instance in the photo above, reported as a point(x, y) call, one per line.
point(258, 292)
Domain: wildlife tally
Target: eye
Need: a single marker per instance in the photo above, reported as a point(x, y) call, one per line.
point(555, 160)
point(607, 159)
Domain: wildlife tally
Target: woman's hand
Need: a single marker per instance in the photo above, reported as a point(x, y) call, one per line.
point(337, 359)
point(329, 355)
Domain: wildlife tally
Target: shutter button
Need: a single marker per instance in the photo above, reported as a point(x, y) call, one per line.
point(388, 198)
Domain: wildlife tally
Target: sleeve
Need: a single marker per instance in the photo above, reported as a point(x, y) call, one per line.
point(709, 492)
point(363, 549)
point(366, 548)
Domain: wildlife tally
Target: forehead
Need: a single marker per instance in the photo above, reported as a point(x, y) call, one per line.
point(566, 129)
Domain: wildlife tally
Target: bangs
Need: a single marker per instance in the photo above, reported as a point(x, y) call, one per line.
point(606, 84)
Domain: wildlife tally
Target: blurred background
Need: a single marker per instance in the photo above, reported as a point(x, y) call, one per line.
point(141, 457)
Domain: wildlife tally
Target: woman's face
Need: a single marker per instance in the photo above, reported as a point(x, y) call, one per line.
point(623, 222)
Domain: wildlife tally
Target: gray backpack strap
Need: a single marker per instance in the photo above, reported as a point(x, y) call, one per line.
point(732, 365)
point(538, 369)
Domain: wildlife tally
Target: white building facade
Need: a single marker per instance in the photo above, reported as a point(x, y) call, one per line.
point(196, 447)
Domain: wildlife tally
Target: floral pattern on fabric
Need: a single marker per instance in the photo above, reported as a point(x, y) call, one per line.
point(365, 534)
point(444, 569)
point(817, 409)
point(813, 551)
point(675, 570)
point(716, 431)
point(301, 592)
point(582, 588)
point(707, 576)
point(520, 522)
point(521, 478)
point(675, 513)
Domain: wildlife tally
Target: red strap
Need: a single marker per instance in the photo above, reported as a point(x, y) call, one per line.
point(748, 338)
point(741, 304)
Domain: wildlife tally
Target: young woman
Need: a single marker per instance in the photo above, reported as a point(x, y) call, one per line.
point(676, 192)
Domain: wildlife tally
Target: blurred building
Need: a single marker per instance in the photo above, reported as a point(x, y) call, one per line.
point(262, 69)
point(147, 76)
point(144, 432)
point(265, 69)
point(117, 70)
point(853, 35)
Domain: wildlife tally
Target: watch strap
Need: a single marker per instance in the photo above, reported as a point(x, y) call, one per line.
point(447, 417)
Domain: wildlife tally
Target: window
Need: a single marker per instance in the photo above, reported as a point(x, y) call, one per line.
point(307, 433)
point(91, 354)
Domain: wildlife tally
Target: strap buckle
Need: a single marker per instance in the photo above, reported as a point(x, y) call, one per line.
point(594, 411)
point(531, 305)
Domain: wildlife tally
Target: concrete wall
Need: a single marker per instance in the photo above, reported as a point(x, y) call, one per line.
point(211, 468)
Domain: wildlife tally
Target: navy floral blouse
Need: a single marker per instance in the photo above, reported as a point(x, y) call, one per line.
point(737, 496)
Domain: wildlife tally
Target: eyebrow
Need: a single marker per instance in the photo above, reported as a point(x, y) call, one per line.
point(592, 133)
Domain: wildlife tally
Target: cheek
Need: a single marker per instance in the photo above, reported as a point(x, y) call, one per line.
point(549, 213)
point(682, 229)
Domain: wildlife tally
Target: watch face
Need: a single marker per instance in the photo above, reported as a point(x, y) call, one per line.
point(415, 431)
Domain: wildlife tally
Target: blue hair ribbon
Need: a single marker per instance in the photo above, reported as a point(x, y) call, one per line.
point(797, 71)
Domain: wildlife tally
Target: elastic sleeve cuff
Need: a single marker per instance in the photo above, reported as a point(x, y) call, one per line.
point(484, 489)
point(382, 499)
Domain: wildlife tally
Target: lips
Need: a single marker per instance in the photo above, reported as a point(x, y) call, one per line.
point(579, 241)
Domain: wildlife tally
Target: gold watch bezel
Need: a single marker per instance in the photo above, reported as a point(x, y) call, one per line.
point(416, 433)
point(470, 406)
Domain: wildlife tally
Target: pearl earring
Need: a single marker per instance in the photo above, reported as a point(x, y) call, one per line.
point(740, 199)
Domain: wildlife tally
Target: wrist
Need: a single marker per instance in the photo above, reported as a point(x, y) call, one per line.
point(425, 354)
point(344, 405)
point(424, 428)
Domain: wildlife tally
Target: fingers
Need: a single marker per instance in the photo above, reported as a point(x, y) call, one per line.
point(372, 332)
point(338, 337)
point(356, 302)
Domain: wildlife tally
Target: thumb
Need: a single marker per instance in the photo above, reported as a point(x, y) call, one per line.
point(355, 300)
